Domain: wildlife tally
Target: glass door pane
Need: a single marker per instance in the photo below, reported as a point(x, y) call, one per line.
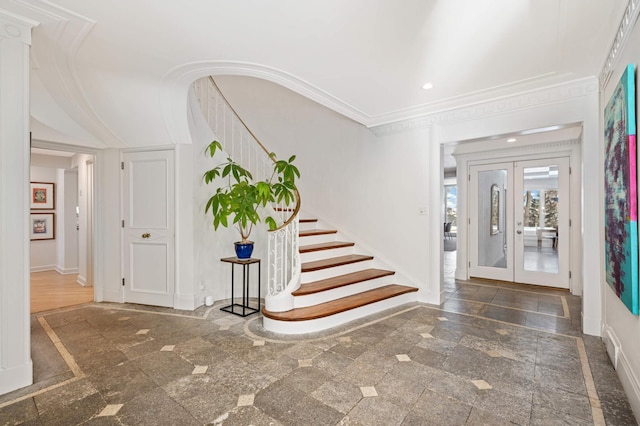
point(540, 218)
point(542, 225)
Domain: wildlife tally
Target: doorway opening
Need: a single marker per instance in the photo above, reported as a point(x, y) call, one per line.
point(519, 221)
point(62, 228)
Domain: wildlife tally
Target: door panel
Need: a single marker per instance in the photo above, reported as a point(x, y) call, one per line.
point(490, 230)
point(148, 229)
point(542, 224)
point(519, 226)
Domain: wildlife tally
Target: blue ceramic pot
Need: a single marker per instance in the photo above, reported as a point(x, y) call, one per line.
point(244, 250)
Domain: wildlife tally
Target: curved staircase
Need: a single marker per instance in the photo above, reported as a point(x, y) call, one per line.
point(338, 285)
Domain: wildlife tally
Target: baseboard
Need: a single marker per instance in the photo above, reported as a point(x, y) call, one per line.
point(44, 268)
point(67, 271)
point(16, 378)
point(112, 296)
point(82, 281)
point(186, 302)
point(626, 374)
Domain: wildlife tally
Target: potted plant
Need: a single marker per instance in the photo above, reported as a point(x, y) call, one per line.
point(244, 201)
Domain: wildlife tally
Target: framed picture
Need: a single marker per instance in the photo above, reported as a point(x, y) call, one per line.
point(42, 226)
point(620, 190)
point(43, 196)
point(495, 210)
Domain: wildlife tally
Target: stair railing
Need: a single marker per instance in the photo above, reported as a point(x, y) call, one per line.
point(283, 271)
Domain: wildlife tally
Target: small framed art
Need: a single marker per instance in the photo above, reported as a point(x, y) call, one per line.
point(43, 196)
point(42, 226)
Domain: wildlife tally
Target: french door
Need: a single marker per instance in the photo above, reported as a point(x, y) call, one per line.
point(519, 221)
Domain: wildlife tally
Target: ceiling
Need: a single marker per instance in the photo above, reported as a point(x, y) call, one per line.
point(106, 73)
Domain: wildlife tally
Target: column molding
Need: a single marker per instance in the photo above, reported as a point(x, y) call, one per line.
point(16, 368)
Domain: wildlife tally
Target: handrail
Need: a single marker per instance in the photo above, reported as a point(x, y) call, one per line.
point(284, 264)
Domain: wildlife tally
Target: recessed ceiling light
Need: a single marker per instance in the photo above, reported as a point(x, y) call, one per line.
point(427, 86)
point(511, 140)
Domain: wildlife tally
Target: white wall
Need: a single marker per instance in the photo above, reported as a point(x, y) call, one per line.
point(44, 253)
point(61, 253)
point(79, 162)
point(621, 329)
point(67, 260)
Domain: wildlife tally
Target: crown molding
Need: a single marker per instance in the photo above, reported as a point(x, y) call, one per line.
point(517, 150)
point(16, 27)
point(185, 74)
point(554, 94)
point(627, 24)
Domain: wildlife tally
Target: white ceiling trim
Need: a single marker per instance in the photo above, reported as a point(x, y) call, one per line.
point(183, 75)
point(628, 22)
point(526, 100)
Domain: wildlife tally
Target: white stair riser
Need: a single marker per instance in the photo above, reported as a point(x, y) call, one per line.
point(325, 254)
point(308, 277)
point(318, 239)
point(305, 226)
point(311, 326)
point(337, 293)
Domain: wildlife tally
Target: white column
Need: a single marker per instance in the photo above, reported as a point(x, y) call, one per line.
point(15, 335)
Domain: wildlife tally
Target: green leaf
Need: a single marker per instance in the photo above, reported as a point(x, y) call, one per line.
point(213, 147)
point(271, 222)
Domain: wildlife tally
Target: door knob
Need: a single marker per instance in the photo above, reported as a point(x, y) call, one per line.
point(146, 235)
point(518, 232)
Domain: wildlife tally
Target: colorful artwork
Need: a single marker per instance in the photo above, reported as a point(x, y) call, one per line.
point(621, 205)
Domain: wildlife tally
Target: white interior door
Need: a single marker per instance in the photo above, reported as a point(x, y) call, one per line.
point(148, 227)
point(541, 190)
point(490, 230)
point(519, 222)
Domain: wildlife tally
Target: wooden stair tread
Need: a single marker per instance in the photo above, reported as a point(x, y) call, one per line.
point(334, 261)
point(308, 220)
point(341, 281)
point(312, 232)
point(340, 305)
point(325, 246)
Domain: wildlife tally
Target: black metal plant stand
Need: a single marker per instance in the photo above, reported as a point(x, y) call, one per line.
point(243, 309)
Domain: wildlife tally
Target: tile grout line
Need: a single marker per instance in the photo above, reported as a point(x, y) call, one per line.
point(594, 400)
point(565, 307)
point(550, 293)
point(565, 314)
point(255, 336)
point(68, 358)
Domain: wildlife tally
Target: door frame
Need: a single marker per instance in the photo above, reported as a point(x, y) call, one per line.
point(510, 229)
point(173, 203)
point(93, 243)
point(569, 148)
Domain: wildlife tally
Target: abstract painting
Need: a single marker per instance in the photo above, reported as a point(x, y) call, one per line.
point(621, 206)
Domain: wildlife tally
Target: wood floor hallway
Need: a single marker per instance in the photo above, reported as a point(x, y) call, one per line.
point(51, 290)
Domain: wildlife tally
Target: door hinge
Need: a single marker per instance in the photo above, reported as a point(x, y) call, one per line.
point(469, 264)
point(122, 165)
point(469, 220)
point(569, 222)
point(123, 223)
point(569, 170)
point(123, 282)
point(469, 176)
point(569, 274)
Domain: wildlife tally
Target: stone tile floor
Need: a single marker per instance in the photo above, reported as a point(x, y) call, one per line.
point(491, 354)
